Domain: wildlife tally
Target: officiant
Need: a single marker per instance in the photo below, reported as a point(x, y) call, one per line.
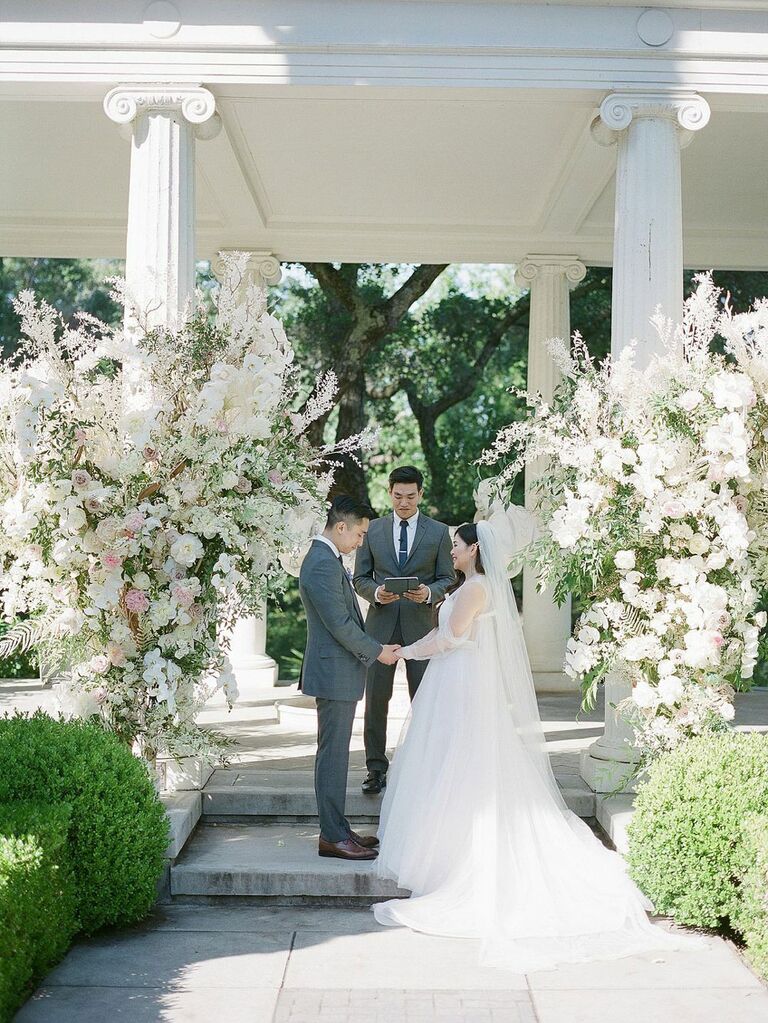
point(404, 543)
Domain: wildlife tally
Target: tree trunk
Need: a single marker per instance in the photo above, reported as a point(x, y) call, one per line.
point(353, 418)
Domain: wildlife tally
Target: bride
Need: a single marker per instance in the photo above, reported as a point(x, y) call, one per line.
point(473, 822)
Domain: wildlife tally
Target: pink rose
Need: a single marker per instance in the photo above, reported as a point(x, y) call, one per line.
point(221, 425)
point(81, 436)
point(93, 504)
point(182, 595)
point(275, 478)
point(111, 560)
point(134, 520)
point(243, 486)
point(136, 601)
point(100, 694)
point(150, 454)
point(195, 611)
point(172, 535)
point(100, 664)
point(80, 478)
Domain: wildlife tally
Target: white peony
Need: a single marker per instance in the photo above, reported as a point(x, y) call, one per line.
point(187, 549)
point(670, 690)
point(732, 390)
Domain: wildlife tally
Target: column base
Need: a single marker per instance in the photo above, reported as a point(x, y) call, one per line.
point(255, 673)
point(185, 774)
point(604, 773)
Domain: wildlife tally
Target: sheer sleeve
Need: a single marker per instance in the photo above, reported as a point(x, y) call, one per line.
point(468, 603)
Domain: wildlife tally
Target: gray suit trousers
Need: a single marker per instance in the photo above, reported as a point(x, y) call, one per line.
point(378, 693)
point(334, 733)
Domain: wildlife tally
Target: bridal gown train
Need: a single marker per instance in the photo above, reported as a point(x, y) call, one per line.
point(473, 822)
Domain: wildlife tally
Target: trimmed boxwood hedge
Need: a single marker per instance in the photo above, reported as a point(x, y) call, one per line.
point(118, 829)
point(751, 916)
point(686, 844)
point(37, 897)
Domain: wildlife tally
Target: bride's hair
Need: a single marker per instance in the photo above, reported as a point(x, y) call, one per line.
point(467, 532)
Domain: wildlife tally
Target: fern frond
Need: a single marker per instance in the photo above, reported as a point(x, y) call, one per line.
point(21, 637)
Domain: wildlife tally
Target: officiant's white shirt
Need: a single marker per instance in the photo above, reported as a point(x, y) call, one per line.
point(411, 523)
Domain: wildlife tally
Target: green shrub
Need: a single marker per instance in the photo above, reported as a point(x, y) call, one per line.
point(685, 836)
point(119, 829)
point(37, 897)
point(751, 916)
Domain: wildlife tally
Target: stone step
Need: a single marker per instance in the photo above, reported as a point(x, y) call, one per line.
point(271, 861)
point(246, 796)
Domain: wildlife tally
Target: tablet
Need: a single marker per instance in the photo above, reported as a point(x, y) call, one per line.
point(401, 583)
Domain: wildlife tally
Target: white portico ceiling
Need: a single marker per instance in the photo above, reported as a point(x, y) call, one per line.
point(382, 130)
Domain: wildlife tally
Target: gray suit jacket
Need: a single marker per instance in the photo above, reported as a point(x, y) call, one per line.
point(429, 560)
point(338, 651)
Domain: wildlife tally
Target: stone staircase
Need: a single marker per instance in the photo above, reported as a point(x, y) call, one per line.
point(256, 837)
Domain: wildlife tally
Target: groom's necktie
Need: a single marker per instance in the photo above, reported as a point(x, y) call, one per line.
point(402, 556)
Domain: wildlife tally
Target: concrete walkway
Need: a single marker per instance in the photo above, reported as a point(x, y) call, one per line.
point(246, 958)
point(240, 964)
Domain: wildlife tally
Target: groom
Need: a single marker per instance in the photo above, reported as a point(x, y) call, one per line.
point(404, 543)
point(337, 657)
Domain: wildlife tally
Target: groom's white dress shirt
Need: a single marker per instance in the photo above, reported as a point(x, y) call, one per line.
point(330, 543)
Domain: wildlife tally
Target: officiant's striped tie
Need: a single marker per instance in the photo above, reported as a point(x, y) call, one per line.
point(403, 552)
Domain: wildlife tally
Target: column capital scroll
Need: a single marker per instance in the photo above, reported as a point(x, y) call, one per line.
point(688, 111)
point(263, 267)
point(534, 266)
point(197, 105)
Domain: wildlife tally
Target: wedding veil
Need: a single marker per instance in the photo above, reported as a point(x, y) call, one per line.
point(501, 537)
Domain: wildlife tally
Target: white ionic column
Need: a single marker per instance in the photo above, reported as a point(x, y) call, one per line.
point(545, 625)
point(162, 122)
point(252, 665)
point(649, 129)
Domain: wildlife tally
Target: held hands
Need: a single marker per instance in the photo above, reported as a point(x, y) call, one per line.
point(390, 653)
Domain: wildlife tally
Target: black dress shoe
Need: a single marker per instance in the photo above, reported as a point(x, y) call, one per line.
point(346, 850)
point(366, 841)
point(375, 782)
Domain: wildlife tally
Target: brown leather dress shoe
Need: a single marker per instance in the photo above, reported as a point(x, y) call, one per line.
point(366, 841)
point(346, 850)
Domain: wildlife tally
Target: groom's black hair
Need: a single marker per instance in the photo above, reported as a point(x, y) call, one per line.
point(345, 508)
point(406, 474)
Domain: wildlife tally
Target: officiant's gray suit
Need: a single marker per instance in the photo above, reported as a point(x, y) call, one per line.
point(337, 657)
point(403, 621)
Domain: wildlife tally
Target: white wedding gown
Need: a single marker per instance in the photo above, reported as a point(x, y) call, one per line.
point(473, 822)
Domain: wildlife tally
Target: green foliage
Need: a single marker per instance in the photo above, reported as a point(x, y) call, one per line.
point(69, 285)
point(685, 839)
point(751, 918)
point(18, 664)
point(119, 829)
point(286, 630)
point(37, 897)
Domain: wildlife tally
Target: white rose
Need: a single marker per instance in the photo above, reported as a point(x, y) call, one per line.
point(689, 400)
point(142, 581)
point(229, 479)
point(644, 695)
point(187, 549)
point(670, 690)
point(698, 544)
point(726, 711)
point(624, 560)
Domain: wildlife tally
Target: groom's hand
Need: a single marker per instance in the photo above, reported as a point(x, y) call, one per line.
point(419, 596)
point(389, 653)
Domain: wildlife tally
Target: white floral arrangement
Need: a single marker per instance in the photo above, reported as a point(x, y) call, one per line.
point(149, 489)
point(652, 504)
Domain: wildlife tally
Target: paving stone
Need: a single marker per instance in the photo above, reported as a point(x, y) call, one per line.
point(390, 1005)
point(668, 1005)
point(392, 958)
point(186, 960)
point(147, 1005)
